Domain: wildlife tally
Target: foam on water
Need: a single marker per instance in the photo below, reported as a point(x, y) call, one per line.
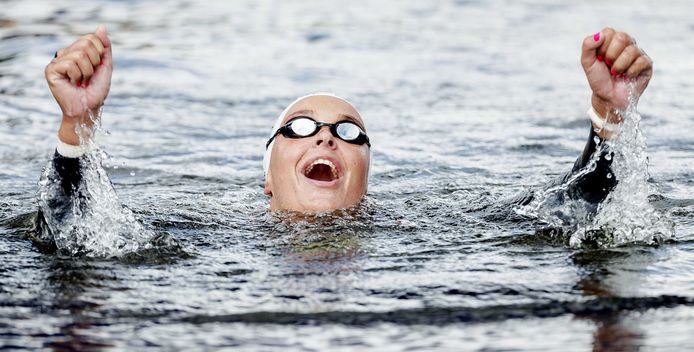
point(625, 216)
point(94, 223)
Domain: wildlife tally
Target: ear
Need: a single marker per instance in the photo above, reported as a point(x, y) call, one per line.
point(268, 184)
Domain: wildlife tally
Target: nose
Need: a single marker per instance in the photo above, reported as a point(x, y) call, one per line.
point(324, 137)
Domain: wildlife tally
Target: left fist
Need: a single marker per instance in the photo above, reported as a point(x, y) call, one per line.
point(611, 61)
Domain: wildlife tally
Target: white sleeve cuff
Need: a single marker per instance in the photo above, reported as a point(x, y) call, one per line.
point(600, 122)
point(69, 150)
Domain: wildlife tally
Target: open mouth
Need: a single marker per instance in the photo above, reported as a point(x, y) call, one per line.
point(321, 170)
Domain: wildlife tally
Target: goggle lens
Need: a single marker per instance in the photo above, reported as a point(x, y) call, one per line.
point(303, 127)
point(348, 131)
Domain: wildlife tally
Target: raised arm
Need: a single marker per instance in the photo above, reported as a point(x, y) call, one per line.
point(612, 63)
point(79, 78)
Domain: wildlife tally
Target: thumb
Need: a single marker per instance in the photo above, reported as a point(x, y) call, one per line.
point(101, 33)
point(589, 50)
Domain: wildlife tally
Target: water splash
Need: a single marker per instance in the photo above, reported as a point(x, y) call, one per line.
point(91, 221)
point(625, 216)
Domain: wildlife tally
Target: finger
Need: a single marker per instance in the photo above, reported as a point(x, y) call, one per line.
point(608, 34)
point(90, 49)
point(103, 71)
point(620, 40)
point(642, 64)
point(103, 36)
point(53, 72)
point(96, 41)
point(107, 56)
point(82, 60)
point(59, 53)
point(625, 59)
point(64, 69)
point(58, 70)
point(588, 50)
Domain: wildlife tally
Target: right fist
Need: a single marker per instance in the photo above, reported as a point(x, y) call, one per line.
point(79, 77)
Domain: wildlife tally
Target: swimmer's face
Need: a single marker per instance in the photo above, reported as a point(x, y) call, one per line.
point(321, 172)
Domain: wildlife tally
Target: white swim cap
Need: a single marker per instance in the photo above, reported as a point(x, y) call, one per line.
point(278, 124)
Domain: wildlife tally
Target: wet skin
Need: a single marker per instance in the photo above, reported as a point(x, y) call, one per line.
point(321, 172)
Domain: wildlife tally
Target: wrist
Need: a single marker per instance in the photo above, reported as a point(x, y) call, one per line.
point(605, 118)
point(67, 133)
point(605, 109)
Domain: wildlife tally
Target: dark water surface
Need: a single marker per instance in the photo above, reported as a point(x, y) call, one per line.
point(498, 97)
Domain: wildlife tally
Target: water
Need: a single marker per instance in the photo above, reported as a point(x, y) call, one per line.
point(499, 96)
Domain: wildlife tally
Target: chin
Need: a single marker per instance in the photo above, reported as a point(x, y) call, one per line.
point(314, 205)
point(323, 205)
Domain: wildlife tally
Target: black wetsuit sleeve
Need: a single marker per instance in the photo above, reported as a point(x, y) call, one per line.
point(592, 186)
point(66, 176)
point(595, 185)
point(68, 173)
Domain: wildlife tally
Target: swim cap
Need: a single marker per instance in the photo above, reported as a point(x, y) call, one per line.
point(278, 124)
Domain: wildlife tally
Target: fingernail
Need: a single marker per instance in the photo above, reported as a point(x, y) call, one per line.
point(78, 84)
point(600, 58)
point(596, 37)
point(608, 62)
point(613, 72)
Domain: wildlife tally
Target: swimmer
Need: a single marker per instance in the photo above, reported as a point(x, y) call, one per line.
point(318, 153)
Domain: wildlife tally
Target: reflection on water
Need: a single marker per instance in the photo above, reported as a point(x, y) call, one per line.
point(614, 331)
point(67, 281)
point(428, 262)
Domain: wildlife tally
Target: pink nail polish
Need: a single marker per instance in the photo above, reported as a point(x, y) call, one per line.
point(600, 58)
point(596, 37)
point(613, 72)
point(608, 62)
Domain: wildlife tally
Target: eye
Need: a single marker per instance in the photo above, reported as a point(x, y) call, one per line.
point(303, 126)
point(348, 131)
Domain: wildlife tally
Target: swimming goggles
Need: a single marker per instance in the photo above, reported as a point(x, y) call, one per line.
point(304, 126)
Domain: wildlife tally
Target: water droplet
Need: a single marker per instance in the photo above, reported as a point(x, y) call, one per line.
point(609, 175)
point(132, 173)
point(608, 156)
point(596, 139)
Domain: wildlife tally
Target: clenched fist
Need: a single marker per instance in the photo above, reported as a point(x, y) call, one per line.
point(79, 78)
point(612, 61)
